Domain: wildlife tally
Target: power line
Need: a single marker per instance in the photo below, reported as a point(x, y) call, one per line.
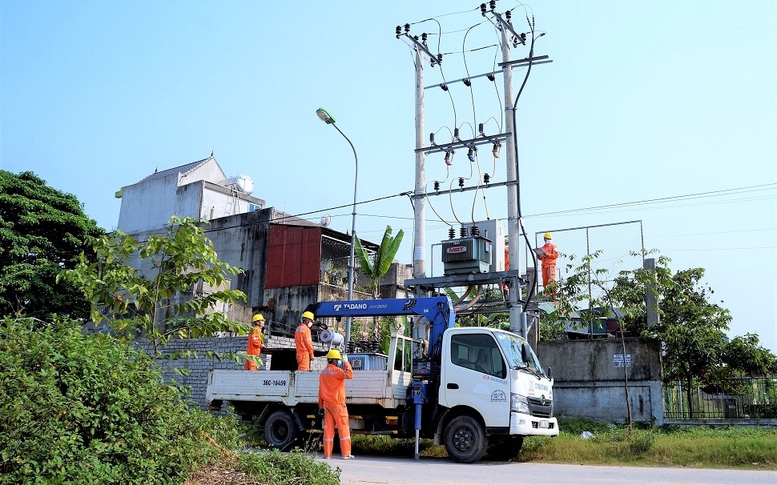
point(661, 200)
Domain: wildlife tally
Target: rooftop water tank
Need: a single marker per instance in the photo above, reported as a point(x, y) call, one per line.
point(243, 182)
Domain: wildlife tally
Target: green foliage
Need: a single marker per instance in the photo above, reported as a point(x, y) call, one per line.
point(276, 468)
point(42, 231)
point(175, 295)
point(85, 409)
point(691, 328)
point(388, 249)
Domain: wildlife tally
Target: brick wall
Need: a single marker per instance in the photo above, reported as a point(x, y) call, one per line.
point(199, 366)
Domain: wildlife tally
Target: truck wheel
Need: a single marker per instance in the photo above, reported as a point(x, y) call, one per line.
point(280, 431)
point(505, 449)
point(465, 440)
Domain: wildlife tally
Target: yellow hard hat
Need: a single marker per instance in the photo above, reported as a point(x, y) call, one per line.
point(548, 236)
point(333, 354)
point(308, 315)
point(258, 318)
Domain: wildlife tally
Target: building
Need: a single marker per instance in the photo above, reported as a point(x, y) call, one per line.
point(288, 263)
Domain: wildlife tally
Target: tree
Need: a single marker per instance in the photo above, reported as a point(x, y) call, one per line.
point(745, 356)
point(376, 269)
point(175, 295)
point(42, 232)
point(590, 285)
point(383, 258)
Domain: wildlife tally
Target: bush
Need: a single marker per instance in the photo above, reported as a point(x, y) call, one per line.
point(83, 409)
point(276, 468)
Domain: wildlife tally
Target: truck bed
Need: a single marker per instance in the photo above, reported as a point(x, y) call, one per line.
point(386, 389)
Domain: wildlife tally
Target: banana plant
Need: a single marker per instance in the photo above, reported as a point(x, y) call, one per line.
point(385, 255)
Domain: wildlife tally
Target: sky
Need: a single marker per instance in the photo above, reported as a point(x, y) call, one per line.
point(662, 114)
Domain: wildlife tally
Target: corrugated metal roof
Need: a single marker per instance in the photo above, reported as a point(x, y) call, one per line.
point(183, 169)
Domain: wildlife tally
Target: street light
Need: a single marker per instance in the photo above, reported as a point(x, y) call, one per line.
point(329, 120)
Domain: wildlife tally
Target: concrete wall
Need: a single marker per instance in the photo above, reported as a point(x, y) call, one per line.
point(148, 205)
point(589, 379)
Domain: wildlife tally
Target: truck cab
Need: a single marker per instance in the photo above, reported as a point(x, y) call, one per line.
point(494, 379)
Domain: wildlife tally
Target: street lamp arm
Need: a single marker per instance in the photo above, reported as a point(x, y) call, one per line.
point(329, 119)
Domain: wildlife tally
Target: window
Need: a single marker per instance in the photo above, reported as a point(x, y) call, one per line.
point(479, 353)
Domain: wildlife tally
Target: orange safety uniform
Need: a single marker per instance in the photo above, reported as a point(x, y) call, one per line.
point(549, 263)
point(303, 340)
point(255, 346)
point(331, 397)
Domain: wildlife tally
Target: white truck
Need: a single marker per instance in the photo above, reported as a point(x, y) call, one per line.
point(476, 390)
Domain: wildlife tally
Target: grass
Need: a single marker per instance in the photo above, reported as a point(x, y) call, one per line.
point(729, 448)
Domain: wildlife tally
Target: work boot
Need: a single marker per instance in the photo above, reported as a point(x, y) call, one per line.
point(349, 457)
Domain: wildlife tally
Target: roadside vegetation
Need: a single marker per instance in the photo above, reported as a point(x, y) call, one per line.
point(608, 444)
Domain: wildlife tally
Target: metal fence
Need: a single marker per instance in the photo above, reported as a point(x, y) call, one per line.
point(620, 244)
point(746, 398)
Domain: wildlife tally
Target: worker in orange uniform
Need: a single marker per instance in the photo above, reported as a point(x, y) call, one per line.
point(304, 341)
point(548, 260)
point(331, 397)
point(255, 341)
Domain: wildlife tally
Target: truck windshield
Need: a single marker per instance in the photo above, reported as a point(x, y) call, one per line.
point(511, 346)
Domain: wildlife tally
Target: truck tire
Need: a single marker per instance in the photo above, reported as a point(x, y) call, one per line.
point(280, 430)
point(505, 449)
point(465, 440)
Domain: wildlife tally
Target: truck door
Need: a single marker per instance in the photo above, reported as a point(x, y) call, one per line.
point(474, 374)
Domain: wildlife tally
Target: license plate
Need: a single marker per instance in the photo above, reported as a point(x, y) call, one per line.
point(544, 423)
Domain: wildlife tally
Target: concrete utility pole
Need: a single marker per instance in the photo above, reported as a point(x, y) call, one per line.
point(517, 318)
point(419, 195)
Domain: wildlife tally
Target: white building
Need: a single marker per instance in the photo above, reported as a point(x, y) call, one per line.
point(198, 189)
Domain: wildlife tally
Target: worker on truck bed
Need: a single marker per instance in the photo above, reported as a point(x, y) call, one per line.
point(331, 398)
point(255, 341)
point(303, 340)
point(548, 260)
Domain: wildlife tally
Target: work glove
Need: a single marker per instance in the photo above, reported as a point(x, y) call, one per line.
point(345, 357)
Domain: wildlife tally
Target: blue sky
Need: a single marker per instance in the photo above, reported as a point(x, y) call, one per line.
point(643, 101)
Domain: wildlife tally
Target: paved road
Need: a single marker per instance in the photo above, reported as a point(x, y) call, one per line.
point(370, 470)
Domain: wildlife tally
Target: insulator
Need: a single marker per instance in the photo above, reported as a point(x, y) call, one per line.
point(443, 86)
point(399, 31)
point(471, 154)
point(483, 9)
point(407, 28)
point(415, 37)
point(431, 138)
point(451, 233)
point(463, 231)
point(480, 129)
point(490, 77)
point(439, 58)
point(523, 37)
point(448, 160)
point(423, 36)
point(508, 14)
point(492, 5)
point(475, 230)
point(461, 182)
point(436, 185)
point(486, 178)
point(467, 82)
point(455, 133)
